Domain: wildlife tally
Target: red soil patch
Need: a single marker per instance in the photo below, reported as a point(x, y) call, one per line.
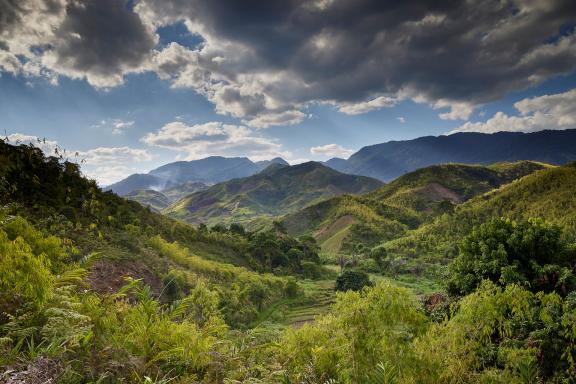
point(341, 223)
point(107, 277)
point(438, 192)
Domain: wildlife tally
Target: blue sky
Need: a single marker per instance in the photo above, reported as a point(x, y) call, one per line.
point(231, 84)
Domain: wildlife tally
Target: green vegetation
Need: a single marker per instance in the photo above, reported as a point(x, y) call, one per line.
point(548, 194)
point(503, 251)
point(405, 204)
point(149, 198)
point(98, 289)
point(275, 191)
point(352, 281)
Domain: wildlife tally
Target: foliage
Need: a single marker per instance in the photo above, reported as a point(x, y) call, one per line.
point(351, 280)
point(529, 253)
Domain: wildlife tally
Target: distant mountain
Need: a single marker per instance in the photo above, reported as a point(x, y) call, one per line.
point(210, 170)
point(137, 182)
point(406, 203)
point(159, 200)
point(148, 197)
point(266, 163)
point(390, 160)
point(180, 191)
point(273, 192)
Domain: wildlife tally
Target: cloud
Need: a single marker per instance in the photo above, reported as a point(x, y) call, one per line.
point(280, 56)
point(332, 150)
point(214, 138)
point(114, 155)
point(106, 175)
point(117, 126)
point(557, 111)
point(401, 119)
point(97, 40)
point(49, 147)
point(367, 106)
point(264, 63)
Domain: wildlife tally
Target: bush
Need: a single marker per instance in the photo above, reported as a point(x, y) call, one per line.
point(352, 281)
point(529, 253)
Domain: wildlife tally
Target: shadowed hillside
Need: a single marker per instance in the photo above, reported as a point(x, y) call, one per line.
point(390, 160)
point(273, 192)
point(404, 204)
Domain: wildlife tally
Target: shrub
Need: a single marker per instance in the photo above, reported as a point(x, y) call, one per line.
point(352, 281)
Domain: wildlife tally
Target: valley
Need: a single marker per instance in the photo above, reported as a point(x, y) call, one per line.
point(287, 273)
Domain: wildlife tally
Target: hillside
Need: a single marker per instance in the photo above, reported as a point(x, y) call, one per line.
point(273, 192)
point(97, 288)
point(390, 160)
point(548, 194)
point(404, 204)
point(160, 200)
point(148, 197)
point(73, 224)
point(210, 170)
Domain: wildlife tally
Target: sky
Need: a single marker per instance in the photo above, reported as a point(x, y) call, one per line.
point(127, 86)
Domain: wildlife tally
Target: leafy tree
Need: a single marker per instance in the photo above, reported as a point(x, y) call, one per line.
point(379, 255)
point(529, 253)
point(352, 280)
point(237, 229)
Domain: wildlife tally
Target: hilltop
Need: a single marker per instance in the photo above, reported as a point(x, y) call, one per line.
point(548, 194)
point(406, 203)
point(273, 192)
point(210, 170)
point(387, 161)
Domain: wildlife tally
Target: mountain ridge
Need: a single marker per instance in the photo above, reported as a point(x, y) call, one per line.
point(270, 193)
point(209, 170)
point(389, 160)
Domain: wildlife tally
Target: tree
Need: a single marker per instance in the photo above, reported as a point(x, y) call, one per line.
point(379, 255)
point(529, 253)
point(237, 229)
point(352, 280)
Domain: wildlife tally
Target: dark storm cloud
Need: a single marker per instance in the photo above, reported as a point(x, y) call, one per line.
point(100, 40)
point(264, 60)
point(102, 37)
point(348, 50)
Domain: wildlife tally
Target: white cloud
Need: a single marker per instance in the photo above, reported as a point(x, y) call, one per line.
point(105, 164)
point(120, 126)
point(115, 155)
point(557, 111)
point(267, 70)
point(117, 126)
point(106, 175)
point(332, 150)
point(401, 119)
point(367, 106)
point(214, 138)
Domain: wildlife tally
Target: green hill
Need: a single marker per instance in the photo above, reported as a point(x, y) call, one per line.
point(159, 200)
point(273, 192)
point(549, 194)
point(114, 238)
point(406, 203)
point(148, 197)
point(97, 288)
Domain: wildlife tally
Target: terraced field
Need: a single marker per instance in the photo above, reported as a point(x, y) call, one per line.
point(317, 303)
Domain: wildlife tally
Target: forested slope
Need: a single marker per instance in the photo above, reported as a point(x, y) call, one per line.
point(404, 204)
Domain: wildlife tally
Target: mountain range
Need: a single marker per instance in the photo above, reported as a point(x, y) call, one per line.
point(385, 161)
point(210, 170)
point(390, 160)
point(408, 202)
point(277, 190)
